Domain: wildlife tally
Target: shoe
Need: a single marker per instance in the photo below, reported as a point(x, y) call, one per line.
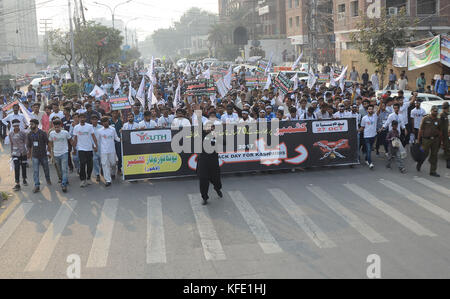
point(98, 179)
point(402, 170)
point(435, 175)
point(16, 187)
point(367, 163)
point(88, 181)
point(36, 189)
point(205, 202)
point(371, 166)
point(219, 192)
point(25, 183)
point(108, 184)
point(49, 182)
point(64, 189)
point(387, 155)
point(83, 184)
point(418, 166)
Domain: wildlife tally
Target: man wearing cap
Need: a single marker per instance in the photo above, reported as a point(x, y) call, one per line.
point(246, 117)
point(269, 113)
point(444, 127)
point(341, 112)
point(18, 140)
point(430, 136)
point(107, 138)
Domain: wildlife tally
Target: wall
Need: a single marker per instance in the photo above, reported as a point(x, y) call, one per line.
point(20, 68)
point(275, 46)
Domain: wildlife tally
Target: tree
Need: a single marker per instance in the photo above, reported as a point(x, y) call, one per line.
point(99, 46)
point(60, 46)
point(216, 37)
point(378, 37)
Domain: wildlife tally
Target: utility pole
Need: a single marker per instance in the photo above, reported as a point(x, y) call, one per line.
point(46, 23)
point(72, 45)
point(312, 33)
point(82, 12)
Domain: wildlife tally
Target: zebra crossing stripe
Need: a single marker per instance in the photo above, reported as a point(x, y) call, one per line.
point(257, 226)
point(156, 244)
point(303, 221)
point(364, 229)
point(212, 248)
point(418, 200)
point(433, 186)
point(98, 256)
point(390, 211)
point(44, 251)
point(13, 222)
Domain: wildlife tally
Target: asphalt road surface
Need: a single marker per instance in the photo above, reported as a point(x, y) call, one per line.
point(320, 223)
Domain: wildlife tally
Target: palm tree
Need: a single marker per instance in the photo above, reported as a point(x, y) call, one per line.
point(216, 37)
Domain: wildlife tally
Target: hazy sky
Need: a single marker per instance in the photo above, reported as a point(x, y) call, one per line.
point(151, 14)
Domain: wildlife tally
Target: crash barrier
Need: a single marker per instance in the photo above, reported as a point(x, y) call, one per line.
point(149, 153)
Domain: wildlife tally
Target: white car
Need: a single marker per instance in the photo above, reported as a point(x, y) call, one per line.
point(35, 82)
point(424, 97)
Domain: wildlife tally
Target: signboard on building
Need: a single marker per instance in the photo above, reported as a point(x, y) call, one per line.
point(425, 54)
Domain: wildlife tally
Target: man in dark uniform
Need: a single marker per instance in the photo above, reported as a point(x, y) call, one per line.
point(444, 127)
point(430, 136)
point(208, 169)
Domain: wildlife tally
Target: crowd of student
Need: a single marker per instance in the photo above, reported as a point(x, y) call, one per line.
point(82, 134)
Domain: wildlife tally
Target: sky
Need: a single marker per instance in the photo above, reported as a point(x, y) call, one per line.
point(151, 14)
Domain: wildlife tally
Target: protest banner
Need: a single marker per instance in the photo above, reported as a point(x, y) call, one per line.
point(8, 108)
point(119, 103)
point(445, 50)
point(283, 83)
point(199, 87)
point(45, 84)
point(425, 54)
point(149, 154)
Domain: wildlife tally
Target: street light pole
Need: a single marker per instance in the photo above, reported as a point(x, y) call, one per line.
point(72, 45)
point(126, 29)
point(113, 10)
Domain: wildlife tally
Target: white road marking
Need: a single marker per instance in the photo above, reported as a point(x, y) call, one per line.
point(302, 220)
point(98, 256)
point(257, 226)
point(390, 211)
point(13, 222)
point(433, 186)
point(363, 228)
point(212, 248)
point(418, 200)
point(44, 251)
point(156, 244)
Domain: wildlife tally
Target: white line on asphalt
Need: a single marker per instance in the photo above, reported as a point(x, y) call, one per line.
point(44, 251)
point(98, 256)
point(433, 186)
point(390, 211)
point(257, 226)
point(156, 244)
point(302, 220)
point(418, 200)
point(212, 248)
point(13, 222)
point(363, 228)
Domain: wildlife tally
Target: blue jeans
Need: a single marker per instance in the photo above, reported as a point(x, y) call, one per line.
point(97, 163)
point(369, 144)
point(62, 163)
point(36, 163)
point(76, 161)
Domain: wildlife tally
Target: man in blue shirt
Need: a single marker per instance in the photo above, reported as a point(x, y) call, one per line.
point(441, 87)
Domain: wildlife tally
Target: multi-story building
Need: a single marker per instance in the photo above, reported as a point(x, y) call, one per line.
point(18, 29)
point(431, 16)
point(272, 19)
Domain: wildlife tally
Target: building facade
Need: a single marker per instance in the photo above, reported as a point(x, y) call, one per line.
point(18, 30)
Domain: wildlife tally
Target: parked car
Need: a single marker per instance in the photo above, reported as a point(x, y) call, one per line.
point(424, 97)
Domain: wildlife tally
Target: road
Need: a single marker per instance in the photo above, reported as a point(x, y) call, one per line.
point(320, 223)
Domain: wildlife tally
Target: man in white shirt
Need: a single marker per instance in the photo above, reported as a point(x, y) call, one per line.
point(301, 110)
point(229, 116)
point(56, 112)
point(165, 121)
point(375, 81)
point(180, 121)
point(96, 158)
point(309, 114)
point(59, 151)
point(7, 121)
point(130, 125)
point(417, 115)
point(148, 122)
point(402, 82)
point(246, 118)
point(395, 116)
point(107, 137)
point(85, 142)
point(342, 113)
point(369, 129)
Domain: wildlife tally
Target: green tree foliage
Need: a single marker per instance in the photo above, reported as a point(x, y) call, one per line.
point(378, 37)
point(60, 47)
point(71, 89)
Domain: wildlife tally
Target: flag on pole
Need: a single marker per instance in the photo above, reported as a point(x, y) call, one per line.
point(187, 70)
point(332, 80)
point(68, 76)
point(151, 71)
point(207, 74)
point(269, 65)
point(178, 96)
point(341, 78)
point(116, 83)
point(311, 78)
point(294, 66)
point(26, 113)
point(295, 80)
point(97, 92)
point(130, 96)
point(228, 77)
point(140, 95)
point(268, 82)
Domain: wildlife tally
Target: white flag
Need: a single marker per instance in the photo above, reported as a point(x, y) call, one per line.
point(268, 82)
point(228, 77)
point(222, 87)
point(294, 66)
point(151, 97)
point(207, 74)
point(311, 78)
point(295, 80)
point(343, 74)
point(269, 65)
point(213, 100)
point(68, 76)
point(116, 83)
point(187, 70)
point(130, 96)
point(177, 99)
point(97, 92)
point(151, 71)
point(140, 95)
point(26, 113)
point(332, 81)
